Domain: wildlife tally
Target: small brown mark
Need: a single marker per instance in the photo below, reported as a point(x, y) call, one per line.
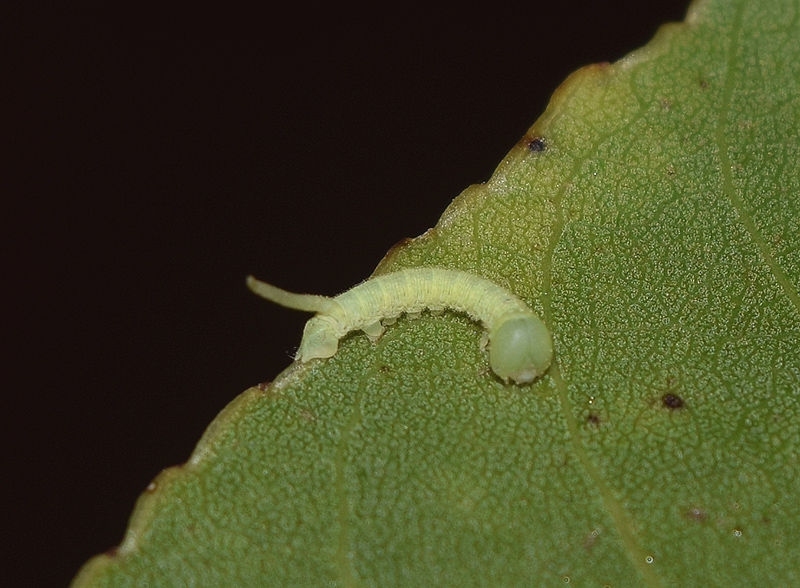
point(402, 242)
point(590, 539)
point(672, 401)
point(593, 419)
point(537, 144)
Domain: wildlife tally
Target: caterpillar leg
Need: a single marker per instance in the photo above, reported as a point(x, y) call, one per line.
point(374, 331)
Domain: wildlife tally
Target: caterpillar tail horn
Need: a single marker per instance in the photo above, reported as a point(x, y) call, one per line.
point(305, 302)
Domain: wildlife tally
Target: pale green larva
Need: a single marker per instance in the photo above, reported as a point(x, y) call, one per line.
point(521, 347)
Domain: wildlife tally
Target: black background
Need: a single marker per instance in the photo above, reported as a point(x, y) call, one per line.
point(157, 158)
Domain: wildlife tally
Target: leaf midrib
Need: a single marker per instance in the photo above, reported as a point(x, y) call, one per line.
point(728, 187)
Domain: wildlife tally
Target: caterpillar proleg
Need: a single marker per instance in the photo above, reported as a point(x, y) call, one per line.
point(520, 345)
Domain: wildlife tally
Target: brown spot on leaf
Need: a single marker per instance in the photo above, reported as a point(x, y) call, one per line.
point(536, 144)
point(590, 539)
point(672, 401)
point(593, 419)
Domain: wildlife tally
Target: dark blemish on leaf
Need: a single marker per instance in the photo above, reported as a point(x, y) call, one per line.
point(537, 144)
point(672, 401)
point(696, 514)
point(112, 551)
point(385, 369)
point(263, 385)
point(703, 83)
point(593, 419)
point(151, 487)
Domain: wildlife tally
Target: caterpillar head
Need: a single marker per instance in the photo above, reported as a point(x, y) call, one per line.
point(521, 348)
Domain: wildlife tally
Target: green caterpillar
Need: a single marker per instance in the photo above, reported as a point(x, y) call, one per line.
point(521, 347)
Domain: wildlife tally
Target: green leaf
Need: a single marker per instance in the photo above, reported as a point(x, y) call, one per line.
point(651, 217)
